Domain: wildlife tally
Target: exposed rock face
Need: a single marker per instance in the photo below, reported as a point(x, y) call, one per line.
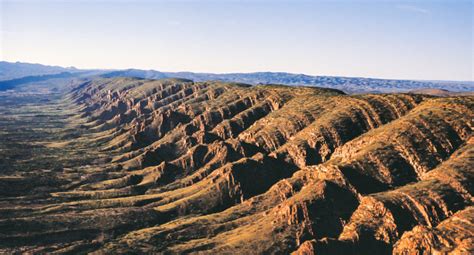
point(228, 168)
point(454, 235)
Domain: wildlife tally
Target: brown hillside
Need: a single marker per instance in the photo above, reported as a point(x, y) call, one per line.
point(175, 166)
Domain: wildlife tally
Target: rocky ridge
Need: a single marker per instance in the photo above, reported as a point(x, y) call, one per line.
point(226, 167)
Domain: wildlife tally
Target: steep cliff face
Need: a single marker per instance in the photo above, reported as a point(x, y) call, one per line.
point(344, 119)
point(381, 218)
point(229, 168)
point(453, 235)
point(402, 151)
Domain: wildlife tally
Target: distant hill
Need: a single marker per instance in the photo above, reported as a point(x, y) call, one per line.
point(347, 84)
point(37, 78)
point(441, 92)
point(147, 74)
point(11, 84)
point(10, 71)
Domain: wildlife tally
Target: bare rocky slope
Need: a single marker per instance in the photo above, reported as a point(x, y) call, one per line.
point(175, 166)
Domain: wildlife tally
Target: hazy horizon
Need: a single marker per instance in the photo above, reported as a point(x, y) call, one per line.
point(415, 40)
point(224, 73)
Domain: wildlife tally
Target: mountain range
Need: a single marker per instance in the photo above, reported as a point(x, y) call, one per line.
point(123, 165)
point(14, 73)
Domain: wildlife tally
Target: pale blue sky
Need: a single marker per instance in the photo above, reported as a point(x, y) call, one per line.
point(387, 39)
